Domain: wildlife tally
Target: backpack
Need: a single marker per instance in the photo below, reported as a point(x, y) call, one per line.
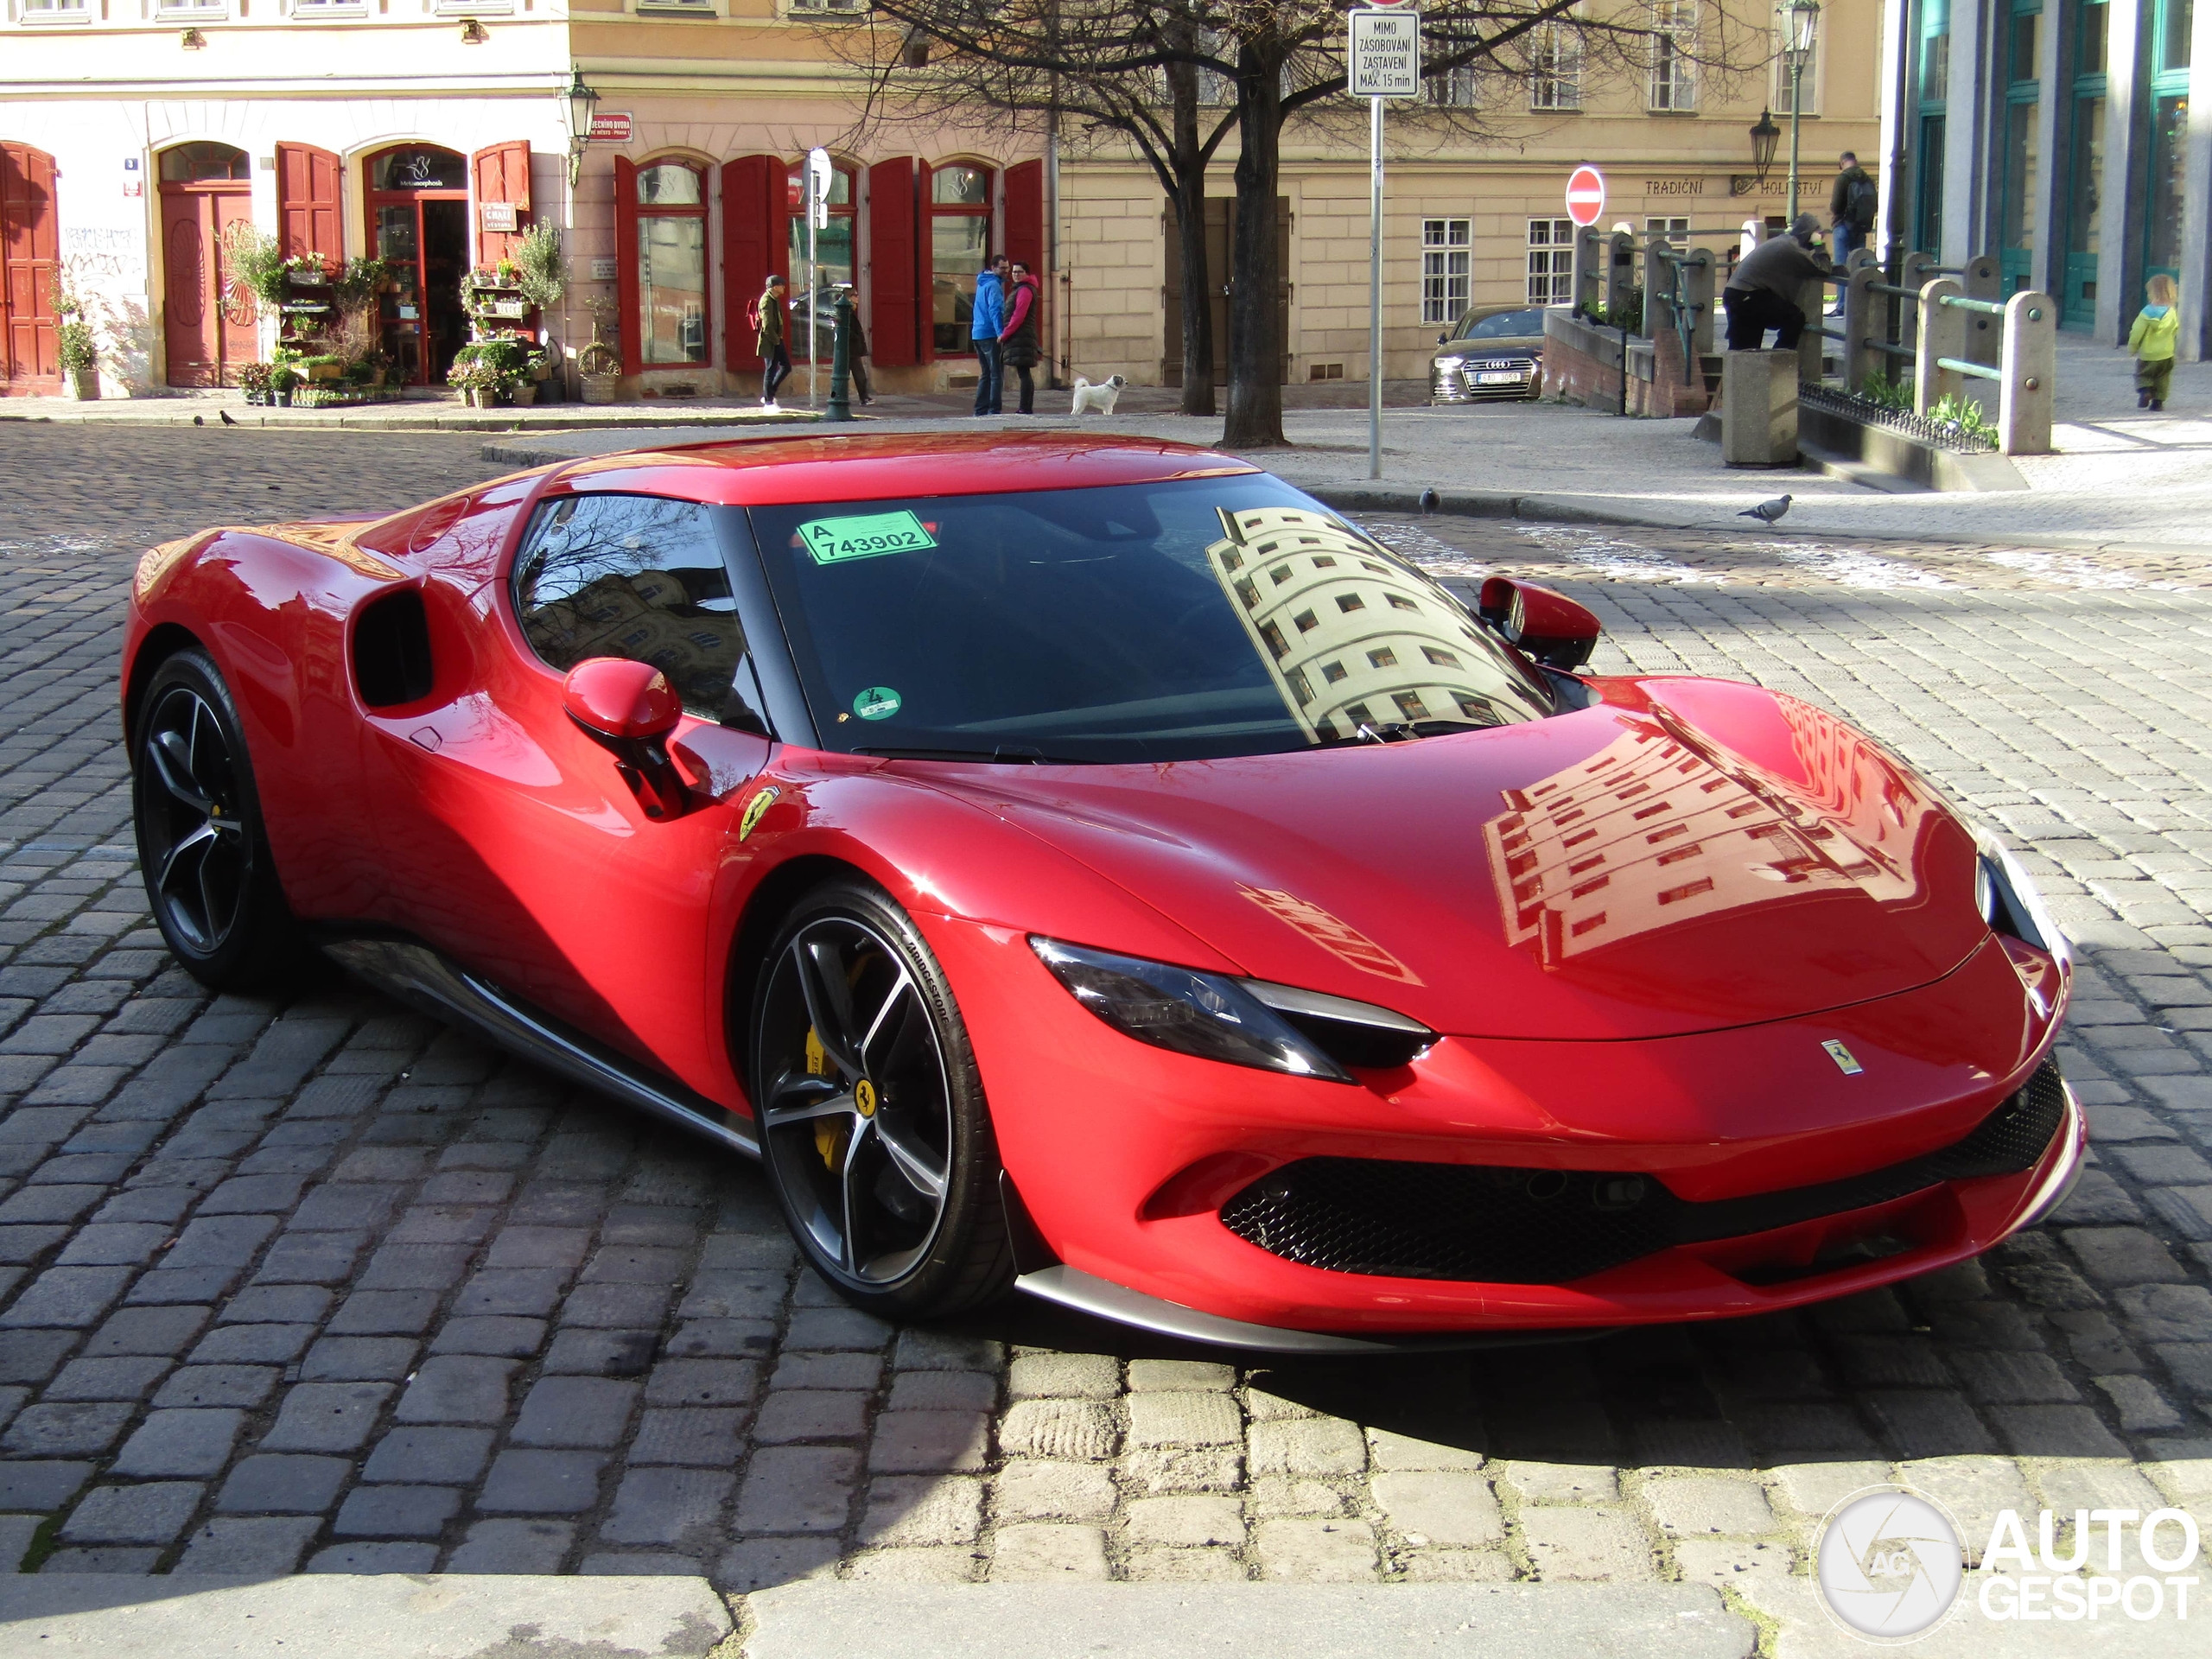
point(1861, 202)
point(753, 314)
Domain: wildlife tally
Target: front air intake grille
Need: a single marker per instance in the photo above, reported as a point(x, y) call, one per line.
point(1545, 1226)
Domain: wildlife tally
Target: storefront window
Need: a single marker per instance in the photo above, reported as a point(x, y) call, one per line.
point(196, 163)
point(833, 250)
point(2169, 165)
point(2180, 18)
point(1935, 50)
point(960, 241)
point(419, 167)
point(672, 326)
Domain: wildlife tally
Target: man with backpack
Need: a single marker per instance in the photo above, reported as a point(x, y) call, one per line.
point(1851, 209)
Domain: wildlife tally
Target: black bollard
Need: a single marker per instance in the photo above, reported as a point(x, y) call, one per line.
point(841, 362)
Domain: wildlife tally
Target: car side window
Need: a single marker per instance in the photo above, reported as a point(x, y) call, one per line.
point(638, 576)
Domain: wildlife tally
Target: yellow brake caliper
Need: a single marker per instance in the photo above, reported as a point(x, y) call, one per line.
point(829, 1134)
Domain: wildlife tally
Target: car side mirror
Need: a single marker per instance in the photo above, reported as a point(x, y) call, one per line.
point(631, 710)
point(1547, 626)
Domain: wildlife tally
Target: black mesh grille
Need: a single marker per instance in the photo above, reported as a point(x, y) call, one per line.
point(1543, 1226)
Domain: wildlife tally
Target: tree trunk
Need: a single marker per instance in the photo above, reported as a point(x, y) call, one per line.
point(1254, 295)
point(1189, 201)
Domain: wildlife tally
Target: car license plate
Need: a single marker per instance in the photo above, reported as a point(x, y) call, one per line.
point(1502, 378)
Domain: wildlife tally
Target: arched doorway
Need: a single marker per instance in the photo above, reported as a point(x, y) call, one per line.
point(31, 274)
point(417, 200)
point(212, 329)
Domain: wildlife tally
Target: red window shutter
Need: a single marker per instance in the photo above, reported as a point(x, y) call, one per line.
point(924, 269)
point(307, 201)
point(749, 184)
point(625, 261)
point(895, 284)
point(1024, 215)
point(500, 174)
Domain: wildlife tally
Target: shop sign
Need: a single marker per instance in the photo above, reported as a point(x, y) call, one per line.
point(602, 269)
point(611, 127)
point(497, 215)
point(133, 183)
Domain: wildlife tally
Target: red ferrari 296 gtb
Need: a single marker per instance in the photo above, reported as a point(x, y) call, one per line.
point(1094, 867)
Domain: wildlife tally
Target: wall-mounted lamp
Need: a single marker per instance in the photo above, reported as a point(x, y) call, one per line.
point(1764, 138)
point(472, 33)
point(580, 100)
point(192, 39)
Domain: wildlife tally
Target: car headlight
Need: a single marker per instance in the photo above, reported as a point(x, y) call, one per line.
point(2005, 894)
point(1238, 1022)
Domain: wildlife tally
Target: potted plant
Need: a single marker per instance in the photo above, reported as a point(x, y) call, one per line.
point(253, 380)
point(79, 349)
point(541, 269)
point(599, 365)
point(256, 263)
point(477, 380)
point(282, 378)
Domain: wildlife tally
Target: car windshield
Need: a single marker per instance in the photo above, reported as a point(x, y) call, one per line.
point(1504, 325)
point(1162, 621)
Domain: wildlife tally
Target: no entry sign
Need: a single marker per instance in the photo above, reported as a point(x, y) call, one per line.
point(1585, 195)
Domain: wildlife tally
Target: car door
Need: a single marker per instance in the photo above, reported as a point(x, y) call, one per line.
point(512, 842)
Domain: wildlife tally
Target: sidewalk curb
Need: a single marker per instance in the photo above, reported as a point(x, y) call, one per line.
point(384, 1615)
point(1536, 508)
point(359, 421)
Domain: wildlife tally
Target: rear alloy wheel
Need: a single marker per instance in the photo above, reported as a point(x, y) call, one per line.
point(872, 1119)
point(206, 862)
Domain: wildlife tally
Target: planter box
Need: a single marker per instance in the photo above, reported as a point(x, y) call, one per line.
point(83, 384)
point(601, 388)
point(1831, 436)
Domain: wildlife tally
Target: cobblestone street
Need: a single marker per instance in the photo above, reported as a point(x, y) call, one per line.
point(314, 1283)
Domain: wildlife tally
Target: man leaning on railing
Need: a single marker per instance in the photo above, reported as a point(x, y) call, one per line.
point(1764, 292)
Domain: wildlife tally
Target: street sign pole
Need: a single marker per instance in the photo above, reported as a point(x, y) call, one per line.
point(821, 172)
point(1383, 60)
point(1375, 290)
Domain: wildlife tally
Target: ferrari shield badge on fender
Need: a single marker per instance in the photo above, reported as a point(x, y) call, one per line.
point(1842, 1057)
point(754, 809)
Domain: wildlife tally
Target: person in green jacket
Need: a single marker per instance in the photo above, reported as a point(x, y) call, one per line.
point(2158, 325)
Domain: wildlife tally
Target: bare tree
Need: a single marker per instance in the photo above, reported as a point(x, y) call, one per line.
point(1142, 71)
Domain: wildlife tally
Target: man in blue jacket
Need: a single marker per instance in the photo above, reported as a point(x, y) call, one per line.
point(989, 319)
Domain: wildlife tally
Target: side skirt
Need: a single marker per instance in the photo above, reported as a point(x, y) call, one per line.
point(421, 978)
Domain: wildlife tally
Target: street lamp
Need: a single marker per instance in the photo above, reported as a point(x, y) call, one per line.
point(1764, 138)
point(580, 98)
point(1800, 19)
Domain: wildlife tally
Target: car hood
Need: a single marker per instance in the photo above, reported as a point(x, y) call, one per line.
point(1519, 345)
point(1715, 856)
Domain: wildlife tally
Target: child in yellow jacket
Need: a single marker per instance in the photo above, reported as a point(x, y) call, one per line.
point(2157, 326)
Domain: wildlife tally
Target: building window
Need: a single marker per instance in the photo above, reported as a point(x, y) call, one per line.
point(55, 11)
point(1674, 42)
point(199, 164)
point(1555, 69)
point(1676, 230)
point(1450, 89)
point(672, 264)
point(960, 241)
point(1446, 257)
point(1551, 261)
point(833, 250)
point(1935, 50)
point(854, 6)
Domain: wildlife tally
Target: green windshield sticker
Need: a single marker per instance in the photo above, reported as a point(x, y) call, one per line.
point(868, 535)
point(877, 703)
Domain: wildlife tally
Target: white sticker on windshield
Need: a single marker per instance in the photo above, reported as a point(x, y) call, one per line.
point(868, 535)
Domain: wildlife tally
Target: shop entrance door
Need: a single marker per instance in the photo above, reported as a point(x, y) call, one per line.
point(417, 200)
point(1221, 229)
point(30, 273)
point(211, 330)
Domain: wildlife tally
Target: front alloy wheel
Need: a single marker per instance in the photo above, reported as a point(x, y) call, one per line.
point(871, 1114)
point(209, 878)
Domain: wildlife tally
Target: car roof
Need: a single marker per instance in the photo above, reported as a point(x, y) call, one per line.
point(787, 471)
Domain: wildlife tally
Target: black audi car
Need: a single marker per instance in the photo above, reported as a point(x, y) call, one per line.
point(1495, 352)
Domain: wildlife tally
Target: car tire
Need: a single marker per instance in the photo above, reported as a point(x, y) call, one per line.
point(202, 851)
point(870, 1110)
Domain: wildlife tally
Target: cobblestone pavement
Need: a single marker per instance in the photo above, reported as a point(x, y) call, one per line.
point(310, 1282)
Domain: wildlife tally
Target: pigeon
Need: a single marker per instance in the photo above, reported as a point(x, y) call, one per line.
point(199, 420)
point(225, 414)
point(1767, 511)
point(1430, 501)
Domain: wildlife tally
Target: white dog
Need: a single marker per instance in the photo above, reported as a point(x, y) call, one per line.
point(1100, 397)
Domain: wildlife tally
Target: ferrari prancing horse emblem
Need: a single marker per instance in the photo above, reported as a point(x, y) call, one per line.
point(754, 809)
point(1842, 1057)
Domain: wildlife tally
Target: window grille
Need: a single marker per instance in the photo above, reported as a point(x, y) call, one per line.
point(1447, 264)
point(1551, 261)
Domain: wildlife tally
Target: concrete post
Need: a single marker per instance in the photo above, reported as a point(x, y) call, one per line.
point(2030, 369)
point(1915, 268)
point(1620, 270)
point(1758, 409)
point(1589, 291)
point(1812, 345)
point(1700, 283)
point(1859, 325)
point(1984, 280)
point(1658, 269)
point(1942, 333)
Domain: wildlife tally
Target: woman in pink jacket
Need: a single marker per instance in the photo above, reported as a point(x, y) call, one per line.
point(1018, 340)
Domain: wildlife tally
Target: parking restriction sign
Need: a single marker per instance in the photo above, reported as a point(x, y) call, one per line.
point(1385, 53)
